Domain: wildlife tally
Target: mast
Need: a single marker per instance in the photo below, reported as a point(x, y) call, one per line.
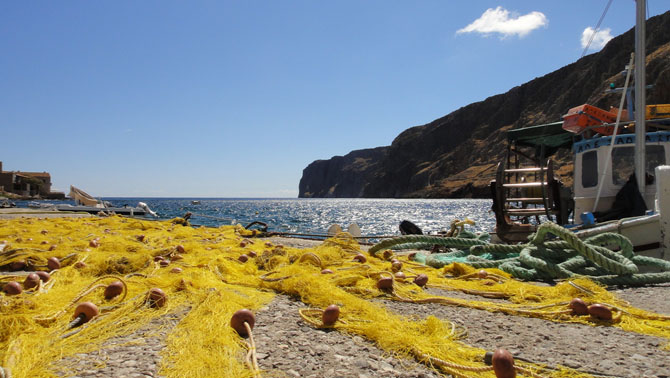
point(640, 95)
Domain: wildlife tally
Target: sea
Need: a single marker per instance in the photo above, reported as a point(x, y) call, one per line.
point(315, 216)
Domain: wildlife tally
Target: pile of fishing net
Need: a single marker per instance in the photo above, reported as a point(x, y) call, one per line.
point(134, 271)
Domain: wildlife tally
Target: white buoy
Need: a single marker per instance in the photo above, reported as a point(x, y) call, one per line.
point(334, 230)
point(354, 230)
point(146, 208)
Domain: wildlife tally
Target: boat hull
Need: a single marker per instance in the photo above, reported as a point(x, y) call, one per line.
point(95, 210)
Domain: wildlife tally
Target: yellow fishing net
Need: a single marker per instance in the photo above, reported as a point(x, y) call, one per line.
point(201, 272)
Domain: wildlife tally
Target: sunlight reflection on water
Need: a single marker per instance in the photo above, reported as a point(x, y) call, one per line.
point(314, 216)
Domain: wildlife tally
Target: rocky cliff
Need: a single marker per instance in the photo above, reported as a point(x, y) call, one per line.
point(455, 156)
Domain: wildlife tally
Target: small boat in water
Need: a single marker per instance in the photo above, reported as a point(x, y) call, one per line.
point(7, 204)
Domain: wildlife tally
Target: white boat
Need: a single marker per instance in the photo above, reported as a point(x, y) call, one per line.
point(85, 202)
point(81, 198)
point(621, 187)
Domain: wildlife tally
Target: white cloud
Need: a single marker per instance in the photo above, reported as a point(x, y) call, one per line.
point(500, 21)
point(599, 40)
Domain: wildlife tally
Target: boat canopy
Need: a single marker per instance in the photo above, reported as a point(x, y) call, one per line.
point(551, 135)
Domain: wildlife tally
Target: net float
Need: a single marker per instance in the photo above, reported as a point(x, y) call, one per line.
point(239, 318)
point(44, 242)
point(80, 265)
point(411, 256)
point(44, 276)
point(182, 285)
point(360, 258)
point(330, 315)
point(387, 254)
point(180, 248)
point(84, 312)
point(53, 247)
point(53, 263)
point(421, 280)
point(44, 232)
point(326, 271)
point(396, 266)
point(31, 281)
point(114, 289)
point(177, 257)
point(93, 243)
point(252, 254)
point(12, 288)
point(600, 311)
point(140, 238)
point(385, 283)
point(175, 270)
point(156, 298)
point(243, 243)
point(164, 263)
point(399, 276)
point(578, 307)
point(503, 364)
point(18, 265)
point(243, 258)
point(482, 274)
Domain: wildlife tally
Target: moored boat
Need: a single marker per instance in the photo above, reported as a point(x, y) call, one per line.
point(85, 202)
point(619, 175)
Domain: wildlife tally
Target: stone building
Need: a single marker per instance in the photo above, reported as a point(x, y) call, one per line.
point(28, 184)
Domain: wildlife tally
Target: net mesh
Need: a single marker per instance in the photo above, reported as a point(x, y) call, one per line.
point(211, 283)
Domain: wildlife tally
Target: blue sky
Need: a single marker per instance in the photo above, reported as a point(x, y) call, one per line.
point(236, 98)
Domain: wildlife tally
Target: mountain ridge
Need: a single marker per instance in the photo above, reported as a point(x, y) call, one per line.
point(455, 155)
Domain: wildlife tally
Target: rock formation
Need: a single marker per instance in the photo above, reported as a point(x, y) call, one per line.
point(455, 156)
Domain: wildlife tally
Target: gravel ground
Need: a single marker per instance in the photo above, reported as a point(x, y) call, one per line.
point(21, 212)
point(604, 350)
point(288, 347)
point(134, 355)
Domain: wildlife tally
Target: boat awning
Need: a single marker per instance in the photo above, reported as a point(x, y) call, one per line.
point(551, 135)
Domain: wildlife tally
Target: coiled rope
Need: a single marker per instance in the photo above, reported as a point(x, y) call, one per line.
point(607, 258)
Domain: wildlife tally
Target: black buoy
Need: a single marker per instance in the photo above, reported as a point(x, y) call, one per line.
point(409, 228)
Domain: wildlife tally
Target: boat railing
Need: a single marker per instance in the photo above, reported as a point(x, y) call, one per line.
point(659, 123)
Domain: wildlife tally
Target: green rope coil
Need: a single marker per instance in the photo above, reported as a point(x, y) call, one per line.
point(564, 256)
point(448, 242)
point(600, 256)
